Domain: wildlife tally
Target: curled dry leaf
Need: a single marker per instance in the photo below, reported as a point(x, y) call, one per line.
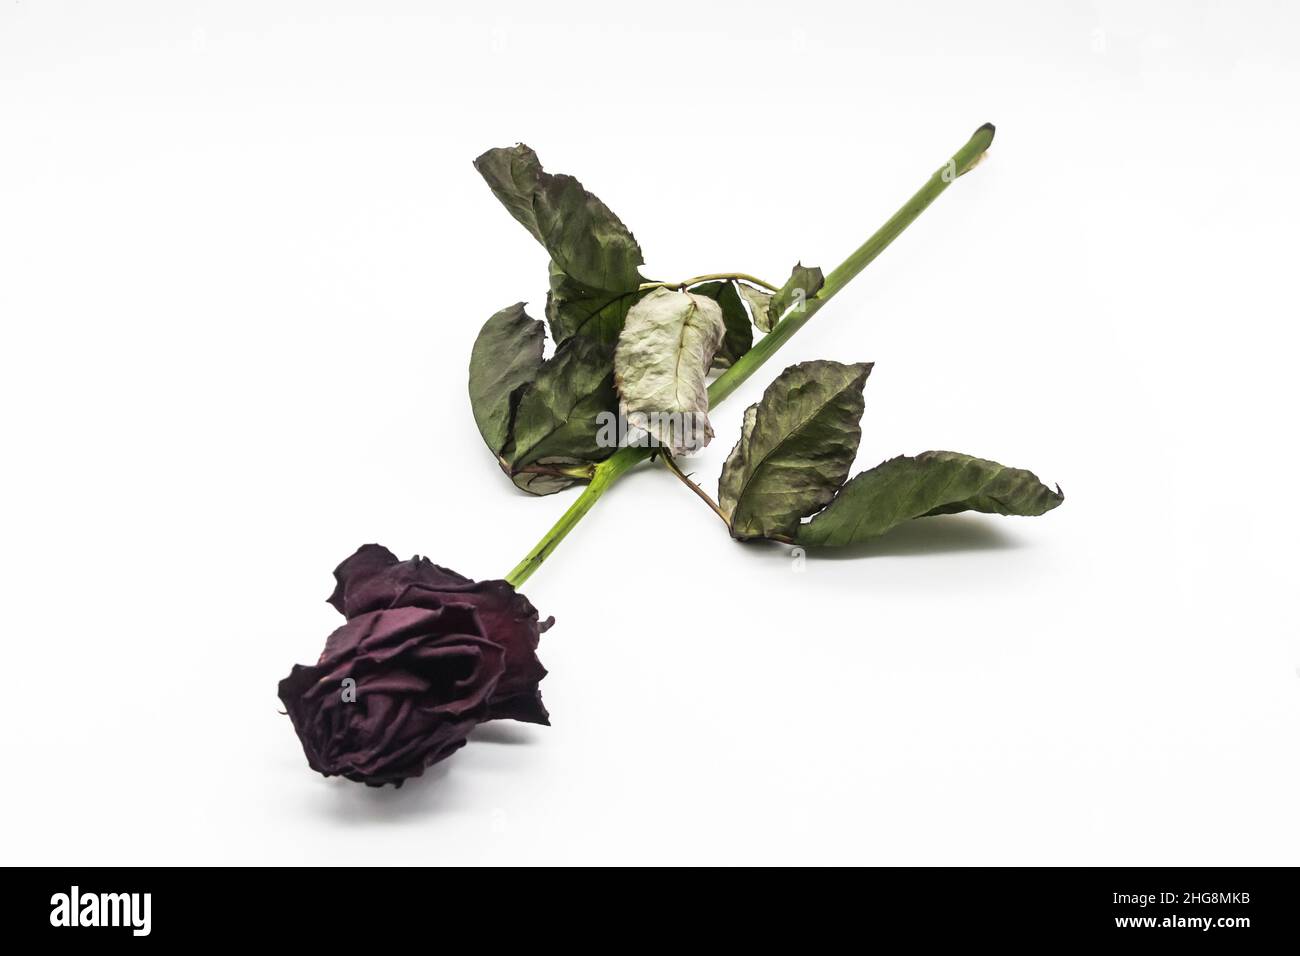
point(795, 450)
point(739, 337)
point(556, 422)
point(760, 306)
point(540, 417)
point(505, 358)
point(804, 283)
point(932, 483)
point(576, 309)
point(663, 355)
point(584, 238)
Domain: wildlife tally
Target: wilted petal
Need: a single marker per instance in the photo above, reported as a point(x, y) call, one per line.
point(425, 655)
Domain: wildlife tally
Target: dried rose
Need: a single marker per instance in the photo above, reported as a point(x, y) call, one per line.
point(425, 656)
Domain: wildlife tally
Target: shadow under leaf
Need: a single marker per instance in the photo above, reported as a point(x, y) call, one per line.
point(937, 535)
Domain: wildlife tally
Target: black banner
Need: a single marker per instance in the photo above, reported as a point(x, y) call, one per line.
point(1230, 907)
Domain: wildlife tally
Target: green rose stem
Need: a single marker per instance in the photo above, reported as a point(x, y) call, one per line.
point(612, 468)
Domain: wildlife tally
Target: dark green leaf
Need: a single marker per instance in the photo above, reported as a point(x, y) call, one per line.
point(932, 483)
point(795, 450)
point(585, 239)
point(556, 417)
point(803, 284)
point(740, 334)
point(506, 356)
point(574, 309)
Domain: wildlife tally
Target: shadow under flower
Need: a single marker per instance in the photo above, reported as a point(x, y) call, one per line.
point(431, 792)
point(434, 791)
point(501, 732)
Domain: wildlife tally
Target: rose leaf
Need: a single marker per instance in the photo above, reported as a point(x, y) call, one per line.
point(556, 418)
point(585, 240)
point(803, 284)
point(505, 357)
point(663, 355)
point(760, 306)
point(575, 309)
point(932, 483)
point(739, 337)
point(795, 450)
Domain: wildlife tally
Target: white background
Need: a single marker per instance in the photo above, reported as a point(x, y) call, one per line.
point(243, 256)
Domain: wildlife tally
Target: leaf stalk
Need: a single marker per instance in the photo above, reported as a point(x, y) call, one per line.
point(709, 277)
point(704, 496)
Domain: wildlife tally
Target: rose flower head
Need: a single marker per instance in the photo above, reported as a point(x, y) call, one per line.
point(425, 656)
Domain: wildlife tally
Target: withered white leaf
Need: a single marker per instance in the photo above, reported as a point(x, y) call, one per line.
point(663, 354)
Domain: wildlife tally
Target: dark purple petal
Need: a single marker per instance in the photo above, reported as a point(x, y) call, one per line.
point(421, 680)
point(509, 619)
point(424, 656)
point(373, 578)
point(368, 559)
